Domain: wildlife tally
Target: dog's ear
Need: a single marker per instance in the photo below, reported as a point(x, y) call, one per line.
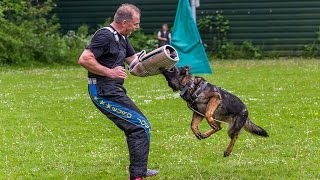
point(187, 68)
point(184, 70)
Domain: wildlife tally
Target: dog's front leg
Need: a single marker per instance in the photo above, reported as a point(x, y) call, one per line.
point(211, 107)
point(196, 119)
point(212, 131)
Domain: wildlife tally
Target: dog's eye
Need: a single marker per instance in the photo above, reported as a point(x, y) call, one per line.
point(171, 70)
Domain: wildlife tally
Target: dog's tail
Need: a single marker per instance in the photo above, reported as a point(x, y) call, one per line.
point(254, 129)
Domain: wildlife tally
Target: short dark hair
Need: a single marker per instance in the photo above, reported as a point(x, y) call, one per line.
point(125, 12)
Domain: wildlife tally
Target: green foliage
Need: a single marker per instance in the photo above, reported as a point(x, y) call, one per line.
point(29, 34)
point(107, 22)
point(312, 50)
point(249, 51)
point(51, 130)
point(221, 42)
point(244, 51)
point(220, 27)
point(76, 42)
point(226, 51)
point(205, 23)
point(222, 47)
point(141, 41)
point(274, 54)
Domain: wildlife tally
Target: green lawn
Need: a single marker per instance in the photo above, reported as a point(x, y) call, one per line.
point(49, 128)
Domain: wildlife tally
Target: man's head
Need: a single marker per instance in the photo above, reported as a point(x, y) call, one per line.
point(127, 18)
point(164, 27)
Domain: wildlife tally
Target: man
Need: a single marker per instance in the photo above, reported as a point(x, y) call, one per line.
point(105, 58)
point(164, 36)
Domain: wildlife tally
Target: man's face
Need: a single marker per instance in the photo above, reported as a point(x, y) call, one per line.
point(132, 25)
point(164, 27)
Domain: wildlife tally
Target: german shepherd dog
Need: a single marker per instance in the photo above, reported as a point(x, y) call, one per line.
point(214, 103)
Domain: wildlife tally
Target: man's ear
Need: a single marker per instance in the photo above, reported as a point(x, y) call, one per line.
point(124, 22)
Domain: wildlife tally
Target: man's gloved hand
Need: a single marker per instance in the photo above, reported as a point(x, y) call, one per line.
point(138, 58)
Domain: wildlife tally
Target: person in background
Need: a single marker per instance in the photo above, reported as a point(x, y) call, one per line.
point(164, 36)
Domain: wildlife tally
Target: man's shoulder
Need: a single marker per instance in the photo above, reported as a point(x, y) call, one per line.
point(103, 32)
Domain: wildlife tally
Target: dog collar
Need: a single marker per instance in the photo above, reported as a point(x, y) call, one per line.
point(185, 88)
point(195, 93)
point(202, 85)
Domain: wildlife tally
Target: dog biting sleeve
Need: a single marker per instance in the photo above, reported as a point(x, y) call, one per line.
point(149, 64)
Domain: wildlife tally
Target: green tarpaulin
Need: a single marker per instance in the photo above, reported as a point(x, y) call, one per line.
point(187, 41)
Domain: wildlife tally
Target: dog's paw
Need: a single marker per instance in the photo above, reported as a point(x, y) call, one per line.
point(200, 136)
point(203, 136)
point(226, 154)
point(213, 126)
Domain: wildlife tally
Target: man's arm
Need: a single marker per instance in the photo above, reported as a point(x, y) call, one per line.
point(88, 61)
point(132, 58)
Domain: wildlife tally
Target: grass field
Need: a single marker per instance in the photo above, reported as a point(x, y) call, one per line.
point(49, 128)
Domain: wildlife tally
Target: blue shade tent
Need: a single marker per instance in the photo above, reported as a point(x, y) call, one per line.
point(186, 40)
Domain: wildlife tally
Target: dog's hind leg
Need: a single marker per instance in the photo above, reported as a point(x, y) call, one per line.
point(196, 119)
point(234, 130)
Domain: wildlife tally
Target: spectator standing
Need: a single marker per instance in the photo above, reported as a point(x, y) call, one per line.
point(164, 36)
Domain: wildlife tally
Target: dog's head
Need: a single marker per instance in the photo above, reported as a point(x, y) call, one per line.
point(177, 77)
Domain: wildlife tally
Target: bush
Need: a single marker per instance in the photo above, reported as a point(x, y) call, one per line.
point(311, 50)
point(29, 34)
point(141, 41)
point(249, 51)
point(76, 41)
